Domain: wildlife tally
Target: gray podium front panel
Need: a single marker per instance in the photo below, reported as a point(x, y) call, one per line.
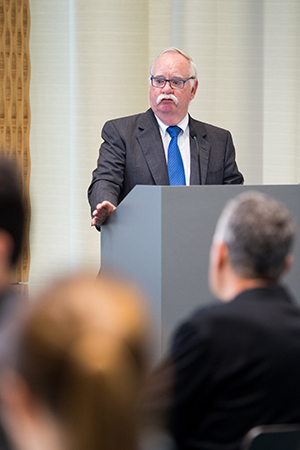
point(160, 237)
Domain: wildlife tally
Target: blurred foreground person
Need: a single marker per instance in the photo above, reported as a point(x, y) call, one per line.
point(11, 238)
point(236, 364)
point(11, 229)
point(79, 364)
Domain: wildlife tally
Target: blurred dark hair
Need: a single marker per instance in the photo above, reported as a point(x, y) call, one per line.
point(11, 205)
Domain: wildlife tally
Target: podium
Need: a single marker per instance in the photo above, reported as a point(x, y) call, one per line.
point(160, 238)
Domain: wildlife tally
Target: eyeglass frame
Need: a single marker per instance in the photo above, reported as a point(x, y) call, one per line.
point(169, 81)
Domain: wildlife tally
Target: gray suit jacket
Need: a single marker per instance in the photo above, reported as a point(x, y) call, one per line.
point(132, 153)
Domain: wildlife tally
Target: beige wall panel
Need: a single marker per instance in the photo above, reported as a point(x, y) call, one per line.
point(281, 163)
point(89, 64)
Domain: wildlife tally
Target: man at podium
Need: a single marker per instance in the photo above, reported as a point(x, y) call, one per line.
point(164, 145)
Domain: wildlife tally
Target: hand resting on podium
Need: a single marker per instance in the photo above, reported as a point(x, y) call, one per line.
point(102, 212)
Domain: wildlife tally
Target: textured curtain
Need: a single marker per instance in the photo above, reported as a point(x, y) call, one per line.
point(90, 62)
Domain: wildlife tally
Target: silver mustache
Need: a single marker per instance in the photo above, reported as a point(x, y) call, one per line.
point(166, 97)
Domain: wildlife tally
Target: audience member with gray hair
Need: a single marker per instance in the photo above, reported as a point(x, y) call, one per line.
point(259, 234)
point(235, 365)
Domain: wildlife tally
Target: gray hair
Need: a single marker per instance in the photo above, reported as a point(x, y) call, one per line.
point(193, 68)
point(259, 233)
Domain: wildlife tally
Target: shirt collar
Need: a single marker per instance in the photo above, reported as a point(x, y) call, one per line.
point(183, 125)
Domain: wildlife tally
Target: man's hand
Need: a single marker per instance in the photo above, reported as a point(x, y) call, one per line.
point(102, 212)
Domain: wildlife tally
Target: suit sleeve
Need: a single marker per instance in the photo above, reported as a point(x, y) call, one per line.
point(231, 173)
point(108, 177)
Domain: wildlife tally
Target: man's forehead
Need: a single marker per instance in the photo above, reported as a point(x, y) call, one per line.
point(171, 61)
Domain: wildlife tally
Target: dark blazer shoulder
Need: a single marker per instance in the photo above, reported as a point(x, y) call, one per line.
point(248, 305)
point(140, 120)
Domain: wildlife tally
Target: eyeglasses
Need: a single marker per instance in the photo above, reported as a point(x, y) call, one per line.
point(160, 83)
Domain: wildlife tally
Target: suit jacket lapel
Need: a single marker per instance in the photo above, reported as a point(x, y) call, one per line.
point(150, 141)
point(200, 151)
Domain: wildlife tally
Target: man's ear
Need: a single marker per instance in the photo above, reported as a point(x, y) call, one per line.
point(194, 89)
point(222, 255)
point(288, 262)
point(218, 261)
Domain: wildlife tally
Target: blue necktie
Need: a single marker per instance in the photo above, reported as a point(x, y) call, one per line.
point(175, 164)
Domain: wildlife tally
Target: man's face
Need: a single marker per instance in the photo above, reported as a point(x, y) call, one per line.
point(171, 66)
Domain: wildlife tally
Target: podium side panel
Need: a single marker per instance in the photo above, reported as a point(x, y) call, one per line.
point(131, 244)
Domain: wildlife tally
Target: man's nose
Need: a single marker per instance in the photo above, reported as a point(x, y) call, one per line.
point(167, 88)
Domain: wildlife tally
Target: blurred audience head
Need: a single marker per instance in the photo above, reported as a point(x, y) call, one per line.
point(254, 237)
point(11, 213)
point(78, 369)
